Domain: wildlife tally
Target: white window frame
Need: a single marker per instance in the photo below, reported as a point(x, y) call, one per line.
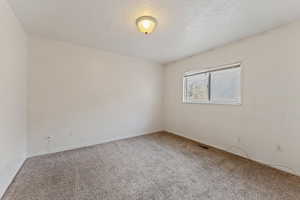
point(209, 70)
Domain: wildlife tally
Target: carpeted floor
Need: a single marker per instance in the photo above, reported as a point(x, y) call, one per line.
point(157, 166)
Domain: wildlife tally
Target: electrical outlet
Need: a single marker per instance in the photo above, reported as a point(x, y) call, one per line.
point(48, 138)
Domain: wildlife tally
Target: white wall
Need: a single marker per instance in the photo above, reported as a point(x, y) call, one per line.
point(266, 126)
point(12, 95)
point(80, 96)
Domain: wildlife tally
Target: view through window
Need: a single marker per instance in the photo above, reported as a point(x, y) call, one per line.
point(216, 86)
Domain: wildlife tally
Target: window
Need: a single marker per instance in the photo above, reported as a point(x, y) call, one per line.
point(216, 86)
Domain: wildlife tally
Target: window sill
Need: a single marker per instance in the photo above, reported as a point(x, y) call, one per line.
point(214, 103)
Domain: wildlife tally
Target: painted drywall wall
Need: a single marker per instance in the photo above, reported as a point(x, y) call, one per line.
point(13, 53)
point(266, 126)
point(80, 96)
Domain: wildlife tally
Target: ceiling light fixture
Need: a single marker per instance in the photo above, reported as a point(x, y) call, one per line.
point(146, 24)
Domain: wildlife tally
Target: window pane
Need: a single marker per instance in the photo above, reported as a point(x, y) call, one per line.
point(197, 87)
point(225, 86)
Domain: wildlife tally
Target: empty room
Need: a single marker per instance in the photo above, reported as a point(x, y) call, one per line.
point(149, 100)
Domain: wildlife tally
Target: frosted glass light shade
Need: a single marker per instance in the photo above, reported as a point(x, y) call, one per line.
point(146, 24)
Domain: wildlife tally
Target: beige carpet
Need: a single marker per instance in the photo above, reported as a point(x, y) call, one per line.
point(157, 166)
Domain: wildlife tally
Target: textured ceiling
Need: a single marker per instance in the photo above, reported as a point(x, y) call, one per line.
point(185, 27)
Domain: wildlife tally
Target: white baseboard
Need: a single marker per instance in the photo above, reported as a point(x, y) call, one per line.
point(278, 167)
point(10, 176)
point(92, 144)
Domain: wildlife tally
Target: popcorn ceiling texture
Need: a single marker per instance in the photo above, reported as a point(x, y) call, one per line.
point(184, 27)
point(158, 166)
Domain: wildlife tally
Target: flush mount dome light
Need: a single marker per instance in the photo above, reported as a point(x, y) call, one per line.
point(146, 24)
